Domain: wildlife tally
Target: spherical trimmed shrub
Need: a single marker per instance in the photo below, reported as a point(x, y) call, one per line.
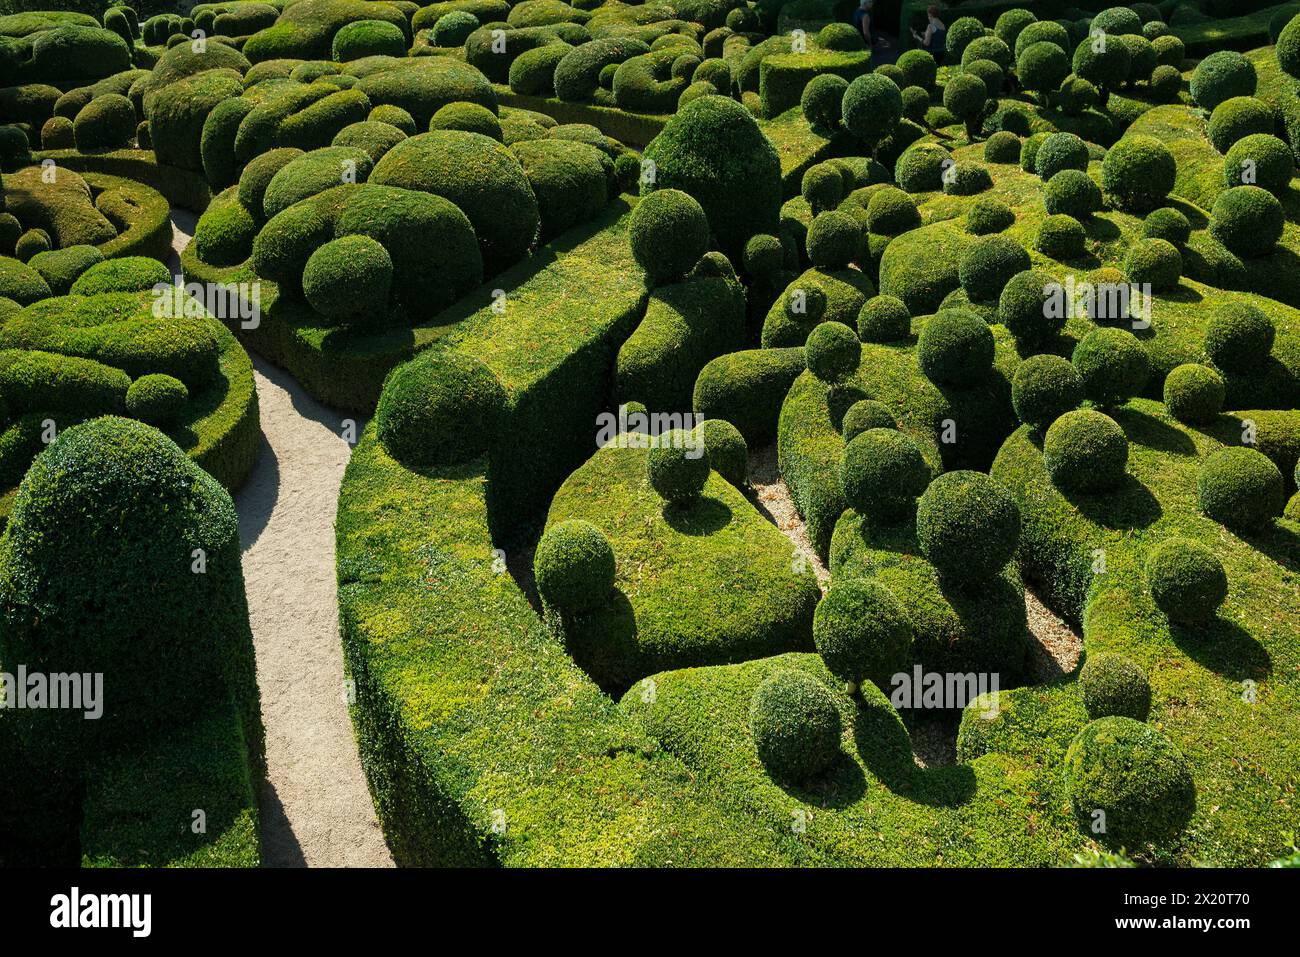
point(968, 526)
point(1135, 777)
point(834, 240)
point(1042, 67)
point(862, 632)
point(961, 32)
point(1288, 48)
point(796, 726)
point(1061, 237)
point(668, 232)
point(823, 187)
point(964, 96)
point(994, 76)
point(349, 280)
point(157, 399)
point(394, 116)
point(832, 352)
point(822, 100)
point(1105, 66)
point(31, 244)
point(1113, 686)
point(1194, 393)
point(919, 69)
point(453, 28)
point(728, 453)
point(1170, 51)
point(1032, 307)
point(1259, 159)
point(469, 117)
point(1118, 21)
point(1071, 192)
point(882, 472)
point(58, 133)
point(916, 104)
point(988, 215)
point(1187, 581)
point(764, 256)
point(988, 264)
point(1238, 117)
point(891, 211)
point(1045, 387)
point(890, 72)
point(884, 319)
point(1142, 59)
point(363, 38)
point(1085, 451)
point(574, 566)
point(1029, 151)
point(1076, 96)
point(987, 47)
point(441, 408)
point(1138, 173)
point(107, 122)
point(866, 414)
point(1239, 337)
point(955, 348)
point(919, 168)
point(871, 107)
point(1221, 76)
point(1240, 488)
point(1041, 31)
point(1165, 83)
point(1167, 224)
point(1002, 147)
point(1060, 151)
point(677, 469)
point(1112, 364)
point(1154, 262)
point(1247, 220)
point(967, 179)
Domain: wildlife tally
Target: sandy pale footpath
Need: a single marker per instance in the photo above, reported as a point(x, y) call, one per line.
point(315, 808)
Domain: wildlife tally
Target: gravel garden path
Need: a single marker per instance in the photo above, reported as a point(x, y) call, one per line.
point(315, 806)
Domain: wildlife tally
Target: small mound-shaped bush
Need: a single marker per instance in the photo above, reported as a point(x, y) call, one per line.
point(884, 319)
point(968, 526)
point(955, 348)
point(1138, 173)
point(832, 352)
point(988, 215)
point(1032, 307)
point(919, 168)
point(349, 280)
point(727, 450)
point(1154, 262)
point(1071, 192)
point(105, 123)
point(1114, 686)
point(1112, 364)
point(1002, 147)
point(796, 726)
point(1221, 76)
point(1165, 83)
point(1259, 159)
point(1167, 224)
point(157, 399)
point(441, 408)
point(882, 473)
point(1240, 488)
point(822, 100)
point(574, 566)
point(1076, 96)
point(834, 240)
point(1239, 337)
point(866, 414)
point(469, 117)
point(822, 187)
point(1044, 388)
point(453, 29)
point(363, 38)
point(677, 469)
point(1060, 151)
point(1236, 118)
point(891, 211)
point(988, 264)
point(967, 179)
point(1187, 581)
point(1194, 393)
point(916, 104)
point(862, 632)
point(1248, 220)
point(124, 274)
point(1085, 451)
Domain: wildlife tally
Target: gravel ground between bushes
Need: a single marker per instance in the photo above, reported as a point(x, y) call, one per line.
point(316, 810)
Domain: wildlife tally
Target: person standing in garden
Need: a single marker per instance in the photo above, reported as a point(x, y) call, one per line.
point(935, 39)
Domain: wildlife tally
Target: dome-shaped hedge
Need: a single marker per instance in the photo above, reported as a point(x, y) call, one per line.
point(1061, 237)
point(157, 399)
point(677, 468)
point(1135, 777)
point(1113, 686)
point(832, 352)
point(919, 169)
point(349, 280)
point(1076, 96)
point(822, 186)
point(834, 240)
point(1288, 48)
point(727, 450)
point(1002, 147)
point(1032, 307)
point(1187, 580)
point(1043, 67)
point(988, 264)
point(884, 319)
point(1044, 388)
point(1060, 151)
point(453, 28)
point(862, 632)
point(795, 725)
point(1085, 451)
point(881, 474)
point(105, 123)
point(1155, 263)
point(1248, 220)
point(967, 179)
point(964, 96)
point(1071, 192)
point(1240, 488)
point(1112, 364)
point(968, 526)
point(668, 232)
point(1105, 65)
point(955, 348)
point(822, 100)
point(1262, 160)
point(1194, 393)
point(1138, 173)
point(1167, 224)
point(469, 118)
point(1221, 76)
point(866, 414)
point(988, 215)
point(1238, 117)
point(872, 107)
point(1239, 337)
point(574, 566)
point(363, 38)
point(961, 32)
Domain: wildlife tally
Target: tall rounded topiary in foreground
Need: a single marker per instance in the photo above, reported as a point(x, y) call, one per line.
point(955, 348)
point(668, 232)
point(441, 408)
point(1134, 776)
point(862, 632)
point(1044, 388)
point(100, 573)
point(1187, 580)
point(1085, 451)
point(1239, 338)
point(1112, 364)
point(968, 526)
point(574, 566)
point(796, 726)
point(881, 474)
point(822, 100)
point(678, 467)
point(1138, 173)
point(1240, 488)
point(1112, 686)
point(713, 149)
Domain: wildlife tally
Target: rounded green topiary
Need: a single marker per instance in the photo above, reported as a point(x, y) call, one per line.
point(968, 526)
point(373, 137)
point(882, 472)
point(1288, 48)
point(453, 28)
point(919, 69)
point(1221, 76)
point(988, 215)
point(349, 280)
point(468, 117)
point(988, 264)
point(1085, 451)
point(920, 168)
point(1042, 67)
point(890, 211)
point(1187, 581)
point(822, 100)
point(1170, 51)
point(574, 566)
point(1248, 220)
point(764, 256)
point(864, 415)
point(123, 274)
point(987, 47)
point(394, 116)
point(862, 632)
point(61, 267)
point(1165, 83)
point(1134, 776)
point(58, 133)
point(363, 38)
point(823, 187)
point(1045, 387)
point(964, 96)
point(157, 399)
point(884, 319)
point(1118, 21)
point(727, 450)
point(257, 176)
point(796, 726)
point(832, 352)
point(1239, 117)
point(993, 76)
point(1112, 364)
point(1041, 31)
point(961, 32)
point(1259, 159)
point(1138, 173)
point(916, 104)
point(1167, 224)
point(1002, 147)
point(872, 107)
point(668, 232)
point(31, 244)
point(955, 348)
point(1194, 393)
point(1076, 96)
point(967, 179)
point(1240, 488)
point(1104, 65)
point(1060, 151)
point(1113, 686)
point(105, 123)
point(1071, 192)
point(1032, 307)
point(1154, 262)
point(1239, 337)
point(834, 240)
point(677, 468)
point(441, 408)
